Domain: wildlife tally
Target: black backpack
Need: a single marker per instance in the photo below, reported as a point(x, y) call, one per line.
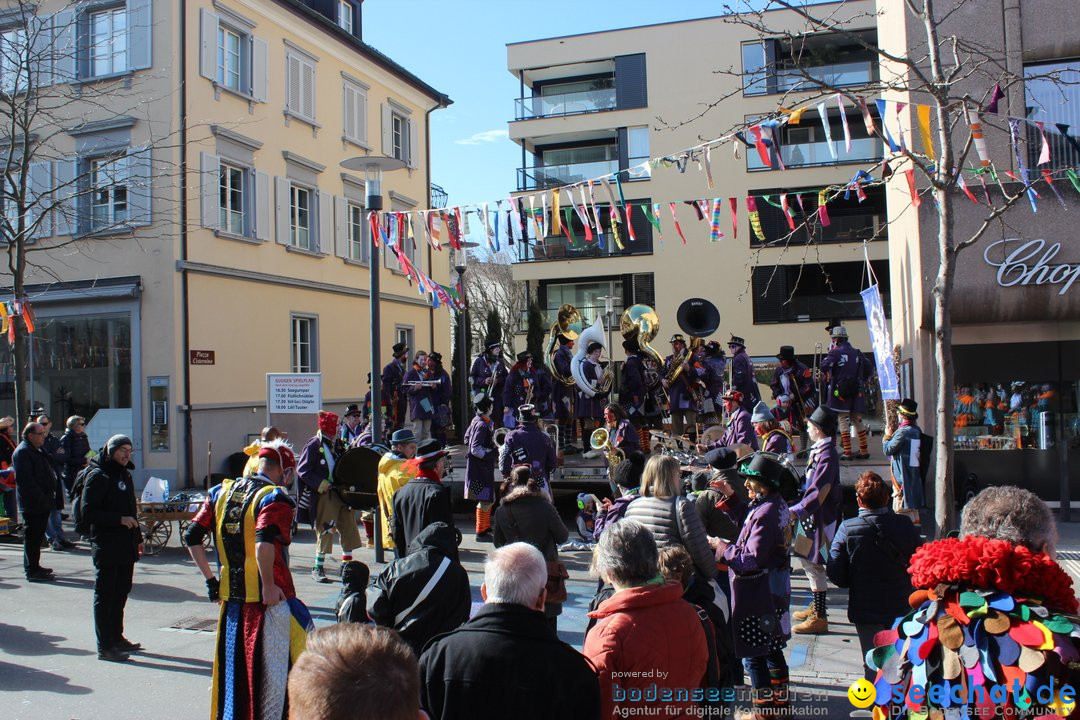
point(78, 514)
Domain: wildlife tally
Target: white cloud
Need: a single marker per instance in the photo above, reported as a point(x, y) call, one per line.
point(487, 136)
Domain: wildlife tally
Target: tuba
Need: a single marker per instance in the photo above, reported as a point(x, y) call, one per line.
point(500, 436)
point(593, 333)
point(601, 440)
point(568, 323)
point(640, 323)
point(698, 318)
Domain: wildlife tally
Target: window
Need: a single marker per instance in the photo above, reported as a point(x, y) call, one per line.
point(400, 134)
point(228, 63)
point(585, 296)
point(108, 42)
point(355, 102)
point(304, 344)
point(109, 192)
point(300, 217)
point(345, 15)
point(231, 202)
point(637, 152)
point(814, 291)
point(1052, 96)
point(397, 129)
point(358, 246)
point(14, 61)
point(404, 334)
point(300, 87)
point(852, 220)
point(806, 62)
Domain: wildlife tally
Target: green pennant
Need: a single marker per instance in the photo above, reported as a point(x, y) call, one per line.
point(776, 205)
point(1073, 179)
point(569, 227)
point(622, 198)
point(651, 216)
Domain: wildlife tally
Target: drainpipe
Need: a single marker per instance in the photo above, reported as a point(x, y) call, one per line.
point(185, 324)
point(427, 204)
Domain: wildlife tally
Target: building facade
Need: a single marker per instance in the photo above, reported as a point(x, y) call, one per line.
point(204, 234)
point(1015, 307)
point(605, 102)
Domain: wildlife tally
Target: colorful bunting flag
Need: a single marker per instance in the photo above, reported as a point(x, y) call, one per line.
point(823, 213)
point(843, 121)
point(755, 219)
point(823, 113)
point(922, 112)
point(714, 225)
point(915, 199)
point(675, 219)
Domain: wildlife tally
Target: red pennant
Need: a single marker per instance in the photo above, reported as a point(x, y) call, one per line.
point(734, 217)
point(915, 199)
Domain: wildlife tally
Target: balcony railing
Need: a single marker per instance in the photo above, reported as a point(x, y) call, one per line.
point(811, 308)
point(559, 248)
point(550, 176)
point(848, 74)
point(812, 154)
point(560, 104)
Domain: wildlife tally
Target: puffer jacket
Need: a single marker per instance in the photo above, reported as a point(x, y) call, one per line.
point(392, 598)
point(530, 517)
point(645, 631)
point(108, 496)
point(675, 520)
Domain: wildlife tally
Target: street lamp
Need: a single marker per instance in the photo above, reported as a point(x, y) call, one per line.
point(609, 311)
point(373, 167)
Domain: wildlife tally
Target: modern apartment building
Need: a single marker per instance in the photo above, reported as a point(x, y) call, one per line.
point(1016, 303)
point(605, 102)
point(209, 235)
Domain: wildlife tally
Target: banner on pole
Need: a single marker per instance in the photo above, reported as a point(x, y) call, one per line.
point(879, 337)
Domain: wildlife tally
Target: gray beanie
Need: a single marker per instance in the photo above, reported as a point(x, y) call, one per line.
point(115, 442)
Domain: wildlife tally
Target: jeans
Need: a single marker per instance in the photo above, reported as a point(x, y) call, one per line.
point(758, 668)
point(111, 587)
point(54, 527)
point(866, 632)
point(33, 534)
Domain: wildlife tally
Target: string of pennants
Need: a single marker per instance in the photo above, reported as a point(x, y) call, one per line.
point(552, 211)
point(19, 307)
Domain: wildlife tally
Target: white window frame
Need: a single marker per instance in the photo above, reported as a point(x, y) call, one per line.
point(109, 178)
point(358, 247)
point(345, 14)
point(233, 179)
point(399, 136)
point(230, 75)
point(108, 53)
point(295, 216)
point(404, 334)
point(304, 334)
point(14, 78)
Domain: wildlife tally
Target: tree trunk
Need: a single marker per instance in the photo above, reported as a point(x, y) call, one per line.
point(944, 491)
point(19, 354)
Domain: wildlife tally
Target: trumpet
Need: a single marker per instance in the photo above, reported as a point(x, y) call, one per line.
point(601, 440)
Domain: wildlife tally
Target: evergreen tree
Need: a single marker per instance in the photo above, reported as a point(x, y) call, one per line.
point(535, 332)
point(494, 327)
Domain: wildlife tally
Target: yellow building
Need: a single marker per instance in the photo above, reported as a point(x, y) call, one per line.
point(230, 244)
point(605, 102)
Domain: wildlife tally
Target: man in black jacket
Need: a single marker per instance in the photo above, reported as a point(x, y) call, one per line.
point(424, 499)
point(506, 661)
point(35, 484)
point(108, 502)
point(426, 592)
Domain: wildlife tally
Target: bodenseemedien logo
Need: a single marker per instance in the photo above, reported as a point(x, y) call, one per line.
point(1060, 700)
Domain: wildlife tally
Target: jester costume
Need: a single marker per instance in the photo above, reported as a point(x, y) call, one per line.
point(987, 614)
point(256, 645)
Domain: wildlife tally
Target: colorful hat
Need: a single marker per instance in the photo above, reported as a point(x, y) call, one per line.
point(527, 413)
point(761, 413)
point(430, 451)
point(280, 451)
point(908, 408)
point(734, 395)
point(761, 466)
point(736, 340)
point(483, 403)
point(328, 422)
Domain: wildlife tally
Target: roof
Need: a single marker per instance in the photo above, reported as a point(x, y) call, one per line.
point(364, 49)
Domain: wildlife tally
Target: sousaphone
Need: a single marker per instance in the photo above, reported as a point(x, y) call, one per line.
point(356, 477)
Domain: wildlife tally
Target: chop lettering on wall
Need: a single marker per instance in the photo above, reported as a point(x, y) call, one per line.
point(1030, 263)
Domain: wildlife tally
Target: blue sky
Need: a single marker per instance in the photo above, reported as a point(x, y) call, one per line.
point(460, 49)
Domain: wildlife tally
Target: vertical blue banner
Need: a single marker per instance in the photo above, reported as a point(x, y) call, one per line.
point(879, 336)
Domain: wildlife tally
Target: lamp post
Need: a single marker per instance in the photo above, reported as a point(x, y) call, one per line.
point(609, 312)
point(373, 168)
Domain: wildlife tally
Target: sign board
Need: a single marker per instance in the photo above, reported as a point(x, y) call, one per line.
point(879, 337)
point(293, 393)
point(201, 357)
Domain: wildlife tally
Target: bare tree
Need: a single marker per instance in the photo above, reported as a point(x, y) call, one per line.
point(938, 68)
point(492, 287)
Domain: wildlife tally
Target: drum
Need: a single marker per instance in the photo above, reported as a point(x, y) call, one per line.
point(356, 477)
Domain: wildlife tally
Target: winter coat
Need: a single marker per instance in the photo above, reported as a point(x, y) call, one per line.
point(393, 374)
point(870, 555)
point(480, 377)
point(613, 514)
point(739, 430)
point(76, 446)
point(542, 397)
point(394, 472)
point(35, 480)
point(716, 522)
point(905, 448)
point(819, 510)
point(743, 380)
point(506, 663)
point(633, 392)
point(516, 388)
point(398, 587)
point(529, 445)
point(530, 517)
point(845, 363)
point(641, 631)
point(759, 573)
point(422, 399)
point(312, 468)
point(800, 384)
point(422, 501)
point(351, 604)
point(108, 496)
point(675, 520)
point(480, 462)
point(563, 396)
point(58, 459)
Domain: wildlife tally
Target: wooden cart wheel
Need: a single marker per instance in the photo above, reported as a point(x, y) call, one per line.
point(156, 534)
point(208, 538)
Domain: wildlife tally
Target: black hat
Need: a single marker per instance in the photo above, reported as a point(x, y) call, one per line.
point(437, 357)
point(678, 337)
point(593, 347)
point(353, 410)
point(721, 458)
point(483, 404)
point(833, 322)
point(763, 467)
point(628, 473)
point(631, 346)
point(787, 352)
point(491, 344)
point(527, 413)
point(700, 480)
point(909, 408)
point(430, 450)
point(713, 348)
point(399, 348)
point(523, 355)
point(825, 418)
point(736, 340)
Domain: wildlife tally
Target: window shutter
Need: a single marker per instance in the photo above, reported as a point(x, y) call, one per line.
point(361, 115)
point(258, 69)
point(64, 213)
point(414, 144)
point(292, 82)
point(325, 240)
point(631, 88)
point(281, 188)
point(40, 186)
point(341, 227)
point(208, 40)
point(64, 32)
point(308, 85)
point(262, 206)
point(140, 28)
point(387, 131)
point(42, 52)
point(210, 190)
point(140, 187)
point(348, 105)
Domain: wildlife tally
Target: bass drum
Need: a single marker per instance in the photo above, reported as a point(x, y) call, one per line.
point(356, 477)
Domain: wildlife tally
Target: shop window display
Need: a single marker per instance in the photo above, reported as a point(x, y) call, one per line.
point(1016, 415)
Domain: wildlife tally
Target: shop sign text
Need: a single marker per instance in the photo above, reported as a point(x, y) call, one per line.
point(1031, 263)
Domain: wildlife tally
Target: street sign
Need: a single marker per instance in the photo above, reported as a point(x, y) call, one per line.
point(201, 357)
point(293, 393)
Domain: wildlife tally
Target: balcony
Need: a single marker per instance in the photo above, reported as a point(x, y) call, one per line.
point(817, 153)
point(562, 104)
point(849, 74)
point(544, 177)
point(559, 248)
